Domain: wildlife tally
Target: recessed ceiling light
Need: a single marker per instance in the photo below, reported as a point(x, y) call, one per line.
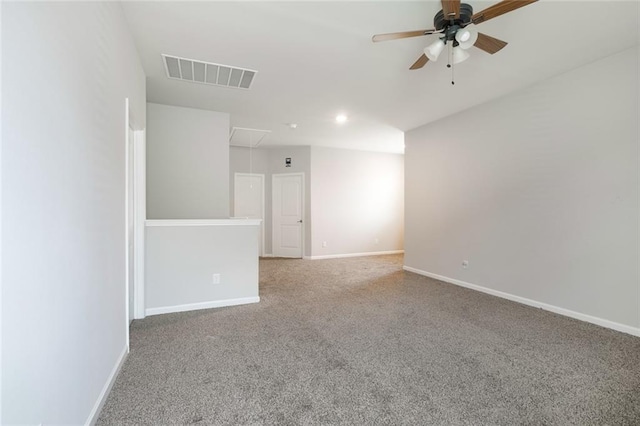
point(293, 125)
point(341, 118)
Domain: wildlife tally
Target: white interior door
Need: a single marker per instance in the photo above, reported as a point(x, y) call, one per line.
point(248, 200)
point(288, 202)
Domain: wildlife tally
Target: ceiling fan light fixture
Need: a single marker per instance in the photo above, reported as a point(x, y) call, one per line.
point(459, 55)
point(434, 49)
point(467, 36)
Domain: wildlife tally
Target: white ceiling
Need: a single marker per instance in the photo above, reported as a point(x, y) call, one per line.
point(316, 59)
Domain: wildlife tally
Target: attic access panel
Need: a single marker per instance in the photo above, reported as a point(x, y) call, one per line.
point(248, 138)
point(196, 71)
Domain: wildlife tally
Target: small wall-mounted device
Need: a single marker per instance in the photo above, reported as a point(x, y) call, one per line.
point(287, 162)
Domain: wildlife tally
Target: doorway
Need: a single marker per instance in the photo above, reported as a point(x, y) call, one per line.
point(135, 215)
point(248, 200)
point(288, 213)
point(130, 220)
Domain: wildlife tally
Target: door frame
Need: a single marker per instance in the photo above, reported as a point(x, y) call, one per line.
point(302, 209)
point(138, 175)
point(140, 217)
point(235, 198)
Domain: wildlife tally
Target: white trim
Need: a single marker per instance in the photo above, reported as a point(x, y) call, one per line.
point(268, 255)
point(1, 275)
point(202, 305)
point(203, 222)
point(102, 398)
point(235, 201)
point(339, 256)
point(127, 264)
point(233, 131)
point(635, 331)
point(302, 210)
point(140, 211)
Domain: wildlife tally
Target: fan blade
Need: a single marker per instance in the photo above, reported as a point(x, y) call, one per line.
point(405, 34)
point(450, 7)
point(422, 60)
point(489, 44)
point(498, 9)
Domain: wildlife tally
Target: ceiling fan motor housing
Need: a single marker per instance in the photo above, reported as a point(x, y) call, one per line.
point(466, 12)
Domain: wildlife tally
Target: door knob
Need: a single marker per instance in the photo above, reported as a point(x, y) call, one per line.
point(300, 221)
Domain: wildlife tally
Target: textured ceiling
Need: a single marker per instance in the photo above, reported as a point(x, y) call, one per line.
point(316, 59)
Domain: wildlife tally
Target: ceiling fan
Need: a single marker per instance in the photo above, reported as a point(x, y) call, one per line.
point(455, 23)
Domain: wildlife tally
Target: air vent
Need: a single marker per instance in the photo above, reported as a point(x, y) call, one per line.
point(249, 138)
point(207, 72)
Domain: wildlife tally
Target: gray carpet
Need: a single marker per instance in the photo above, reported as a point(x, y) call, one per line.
point(359, 341)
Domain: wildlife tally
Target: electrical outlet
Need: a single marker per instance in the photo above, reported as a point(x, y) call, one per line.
point(324, 244)
point(465, 264)
point(376, 241)
point(216, 278)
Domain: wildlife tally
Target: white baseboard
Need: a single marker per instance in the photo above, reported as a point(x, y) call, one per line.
point(201, 305)
point(338, 256)
point(97, 407)
point(635, 331)
point(267, 255)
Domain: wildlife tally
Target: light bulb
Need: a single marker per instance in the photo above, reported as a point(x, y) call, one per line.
point(459, 55)
point(467, 36)
point(434, 49)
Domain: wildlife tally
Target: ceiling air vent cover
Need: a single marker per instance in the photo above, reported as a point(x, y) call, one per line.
point(207, 72)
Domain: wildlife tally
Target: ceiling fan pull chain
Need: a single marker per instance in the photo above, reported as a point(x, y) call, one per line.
point(450, 61)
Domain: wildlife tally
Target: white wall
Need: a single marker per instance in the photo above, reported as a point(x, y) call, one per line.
point(538, 191)
point(67, 68)
point(181, 260)
point(352, 197)
point(269, 161)
point(357, 203)
point(187, 163)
